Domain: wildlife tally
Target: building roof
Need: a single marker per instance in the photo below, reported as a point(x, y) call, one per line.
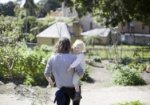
point(57, 30)
point(102, 32)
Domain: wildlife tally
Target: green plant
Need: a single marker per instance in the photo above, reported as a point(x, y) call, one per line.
point(92, 40)
point(29, 80)
point(10, 29)
point(130, 103)
point(33, 66)
point(86, 74)
point(138, 66)
point(111, 67)
point(126, 60)
point(8, 56)
point(96, 58)
point(23, 64)
point(123, 75)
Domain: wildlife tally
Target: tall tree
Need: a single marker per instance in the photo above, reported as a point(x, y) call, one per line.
point(51, 5)
point(47, 6)
point(7, 9)
point(114, 11)
point(66, 3)
point(30, 7)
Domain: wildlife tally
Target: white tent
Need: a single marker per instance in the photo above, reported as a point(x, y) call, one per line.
point(50, 35)
point(102, 33)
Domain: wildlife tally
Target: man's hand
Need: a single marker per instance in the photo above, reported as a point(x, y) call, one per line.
point(50, 85)
point(50, 81)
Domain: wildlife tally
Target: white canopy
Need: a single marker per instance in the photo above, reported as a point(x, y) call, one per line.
point(102, 32)
point(56, 30)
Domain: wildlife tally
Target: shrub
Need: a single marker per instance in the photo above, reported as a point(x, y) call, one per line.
point(92, 40)
point(123, 75)
point(126, 60)
point(139, 66)
point(96, 58)
point(130, 103)
point(111, 67)
point(86, 74)
point(26, 65)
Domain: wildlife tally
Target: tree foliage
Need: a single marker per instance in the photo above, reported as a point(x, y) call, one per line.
point(51, 5)
point(30, 7)
point(10, 29)
point(7, 9)
point(114, 11)
point(13, 29)
point(22, 64)
point(48, 6)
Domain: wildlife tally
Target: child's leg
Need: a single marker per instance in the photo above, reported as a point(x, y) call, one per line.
point(76, 80)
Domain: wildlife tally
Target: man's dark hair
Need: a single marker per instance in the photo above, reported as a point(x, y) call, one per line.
point(63, 46)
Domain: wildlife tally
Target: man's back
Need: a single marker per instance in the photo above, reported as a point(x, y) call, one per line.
point(58, 65)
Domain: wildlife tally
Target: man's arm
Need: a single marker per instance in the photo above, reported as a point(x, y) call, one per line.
point(50, 81)
point(48, 71)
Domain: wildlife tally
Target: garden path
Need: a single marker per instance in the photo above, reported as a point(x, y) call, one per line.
point(100, 91)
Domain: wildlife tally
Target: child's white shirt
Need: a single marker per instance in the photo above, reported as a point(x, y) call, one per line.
point(79, 60)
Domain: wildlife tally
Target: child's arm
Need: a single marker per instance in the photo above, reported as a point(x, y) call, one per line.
point(77, 61)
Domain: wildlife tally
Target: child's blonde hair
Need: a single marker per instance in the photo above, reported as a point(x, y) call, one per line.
point(79, 43)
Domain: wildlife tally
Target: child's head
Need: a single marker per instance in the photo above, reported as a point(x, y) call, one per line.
point(78, 46)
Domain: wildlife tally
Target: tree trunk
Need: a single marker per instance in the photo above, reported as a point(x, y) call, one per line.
point(63, 8)
point(30, 7)
point(149, 28)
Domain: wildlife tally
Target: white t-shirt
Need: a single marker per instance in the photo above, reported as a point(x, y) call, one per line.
point(79, 60)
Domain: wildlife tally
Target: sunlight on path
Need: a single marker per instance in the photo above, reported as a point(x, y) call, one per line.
point(10, 99)
point(108, 96)
point(101, 92)
point(92, 96)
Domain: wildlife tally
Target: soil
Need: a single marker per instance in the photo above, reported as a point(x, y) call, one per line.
point(98, 91)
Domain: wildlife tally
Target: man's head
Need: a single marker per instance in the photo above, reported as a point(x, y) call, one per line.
point(63, 45)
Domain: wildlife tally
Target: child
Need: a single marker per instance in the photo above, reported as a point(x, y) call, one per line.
point(78, 48)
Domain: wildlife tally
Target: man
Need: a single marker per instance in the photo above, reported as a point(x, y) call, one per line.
point(58, 65)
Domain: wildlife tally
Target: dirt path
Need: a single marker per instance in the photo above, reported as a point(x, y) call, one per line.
point(103, 92)
point(99, 92)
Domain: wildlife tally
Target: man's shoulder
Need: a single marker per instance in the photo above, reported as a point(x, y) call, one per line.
point(53, 56)
point(80, 54)
point(69, 55)
point(72, 55)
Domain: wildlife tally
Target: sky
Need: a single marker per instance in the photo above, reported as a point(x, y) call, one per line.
point(5, 1)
